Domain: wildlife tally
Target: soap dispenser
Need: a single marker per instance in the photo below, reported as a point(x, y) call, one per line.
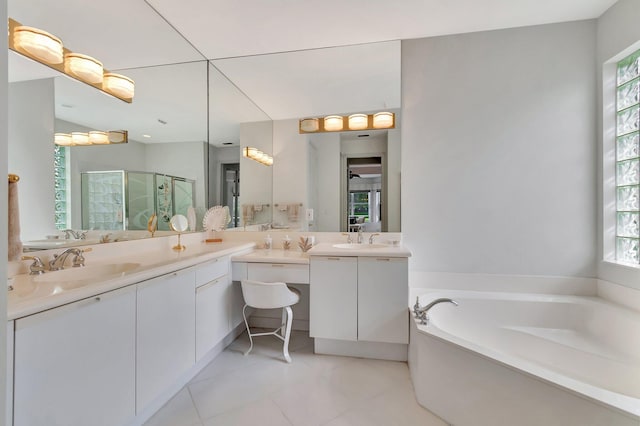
point(268, 242)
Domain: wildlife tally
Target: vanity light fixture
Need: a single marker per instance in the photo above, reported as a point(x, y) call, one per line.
point(310, 124)
point(83, 67)
point(383, 120)
point(358, 121)
point(94, 137)
point(48, 50)
point(118, 85)
point(333, 123)
point(257, 155)
point(38, 44)
point(341, 123)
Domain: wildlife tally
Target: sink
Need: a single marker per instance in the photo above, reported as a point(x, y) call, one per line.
point(92, 272)
point(363, 246)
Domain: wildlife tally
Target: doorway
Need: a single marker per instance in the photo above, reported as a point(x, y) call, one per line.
point(364, 194)
point(231, 191)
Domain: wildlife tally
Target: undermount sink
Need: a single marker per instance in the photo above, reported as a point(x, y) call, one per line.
point(361, 246)
point(96, 272)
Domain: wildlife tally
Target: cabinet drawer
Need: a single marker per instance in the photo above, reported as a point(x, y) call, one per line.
point(211, 270)
point(278, 272)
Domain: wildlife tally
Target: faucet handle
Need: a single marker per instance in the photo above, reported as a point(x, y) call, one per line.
point(348, 235)
point(372, 236)
point(416, 307)
point(37, 267)
point(78, 260)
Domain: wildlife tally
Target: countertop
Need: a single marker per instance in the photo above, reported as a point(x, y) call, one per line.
point(380, 250)
point(273, 256)
point(31, 295)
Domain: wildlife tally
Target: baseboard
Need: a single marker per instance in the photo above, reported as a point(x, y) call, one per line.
point(360, 349)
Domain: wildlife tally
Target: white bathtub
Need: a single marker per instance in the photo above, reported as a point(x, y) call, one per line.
point(527, 359)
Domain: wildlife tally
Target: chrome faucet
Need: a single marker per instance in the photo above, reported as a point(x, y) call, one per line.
point(420, 312)
point(37, 267)
point(360, 235)
point(371, 237)
point(77, 235)
point(57, 263)
point(348, 235)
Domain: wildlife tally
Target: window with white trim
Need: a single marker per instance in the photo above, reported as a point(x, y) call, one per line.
point(628, 159)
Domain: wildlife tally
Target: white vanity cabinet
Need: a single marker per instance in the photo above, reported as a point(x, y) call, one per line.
point(333, 297)
point(362, 299)
point(383, 295)
point(165, 333)
point(75, 365)
point(214, 302)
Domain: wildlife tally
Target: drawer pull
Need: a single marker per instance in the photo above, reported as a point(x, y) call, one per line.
point(206, 286)
point(383, 259)
point(333, 258)
point(277, 265)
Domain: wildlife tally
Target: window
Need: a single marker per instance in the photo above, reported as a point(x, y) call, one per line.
point(628, 159)
point(60, 186)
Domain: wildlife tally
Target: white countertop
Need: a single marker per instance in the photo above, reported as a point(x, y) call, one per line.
point(329, 249)
point(31, 295)
point(273, 256)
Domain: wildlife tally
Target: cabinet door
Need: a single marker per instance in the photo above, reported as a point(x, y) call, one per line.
point(333, 297)
point(165, 333)
point(75, 365)
point(213, 314)
point(383, 300)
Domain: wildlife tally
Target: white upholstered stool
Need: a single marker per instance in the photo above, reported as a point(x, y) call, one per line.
point(263, 295)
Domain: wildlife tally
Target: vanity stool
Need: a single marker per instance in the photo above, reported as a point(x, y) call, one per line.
point(263, 295)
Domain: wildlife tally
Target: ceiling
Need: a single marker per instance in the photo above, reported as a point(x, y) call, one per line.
point(292, 58)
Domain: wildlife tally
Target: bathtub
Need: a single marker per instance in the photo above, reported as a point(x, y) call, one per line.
point(527, 359)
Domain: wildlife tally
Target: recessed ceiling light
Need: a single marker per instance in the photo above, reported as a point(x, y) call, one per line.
point(146, 136)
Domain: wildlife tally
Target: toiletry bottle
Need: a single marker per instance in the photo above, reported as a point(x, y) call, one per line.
point(268, 242)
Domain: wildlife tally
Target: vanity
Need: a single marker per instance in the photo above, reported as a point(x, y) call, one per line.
point(110, 343)
point(113, 348)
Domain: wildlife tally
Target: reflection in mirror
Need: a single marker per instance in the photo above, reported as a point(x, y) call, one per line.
point(243, 185)
point(309, 184)
point(167, 140)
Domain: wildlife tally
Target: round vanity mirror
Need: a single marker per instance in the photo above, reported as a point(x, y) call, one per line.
point(179, 223)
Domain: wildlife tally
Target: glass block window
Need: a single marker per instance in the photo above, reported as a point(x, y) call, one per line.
point(60, 186)
point(628, 160)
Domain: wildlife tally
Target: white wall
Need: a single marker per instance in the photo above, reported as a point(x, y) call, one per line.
point(618, 34)
point(4, 95)
point(327, 181)
point(499, 151)
point(30, 154)
point(290, 152)
point(256, 180)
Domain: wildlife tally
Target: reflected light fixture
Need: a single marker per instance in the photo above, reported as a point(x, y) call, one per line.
point(333, 123)
point(118, 85)
point(310, 124)
point(38, 44)
point(358, 121)
point(63, 139)
point(94, 137)
point(83, 67)
point(48, 50)
point(383, 120)
point(80, 138)
point(97, 137)
point(257, 155)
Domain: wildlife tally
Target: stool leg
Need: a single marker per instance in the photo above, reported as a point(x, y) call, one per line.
point(283, 323)
point(287, 334)
point(246, 323)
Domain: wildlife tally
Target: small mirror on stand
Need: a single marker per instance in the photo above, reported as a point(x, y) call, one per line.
point(179, 224)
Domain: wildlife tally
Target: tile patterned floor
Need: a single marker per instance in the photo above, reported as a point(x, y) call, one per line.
point(261, 389)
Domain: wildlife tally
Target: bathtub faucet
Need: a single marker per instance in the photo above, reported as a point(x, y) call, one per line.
point(420, 312)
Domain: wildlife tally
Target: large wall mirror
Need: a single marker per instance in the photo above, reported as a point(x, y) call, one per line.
point(183, 101)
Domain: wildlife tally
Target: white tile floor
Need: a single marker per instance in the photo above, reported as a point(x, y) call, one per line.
point(261, 389)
